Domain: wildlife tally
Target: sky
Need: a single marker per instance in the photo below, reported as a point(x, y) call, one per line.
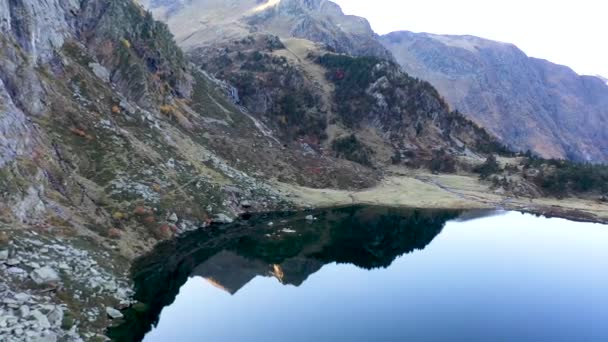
point(568, 32)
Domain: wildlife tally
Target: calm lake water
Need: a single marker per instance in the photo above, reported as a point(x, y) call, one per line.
point(378, 274)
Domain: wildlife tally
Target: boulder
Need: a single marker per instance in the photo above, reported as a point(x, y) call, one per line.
point(113, 313)
point(44, 275)
point(173, 218)
point(100, 71)
point(41, 319)
point(13, 262)
point(222, 219)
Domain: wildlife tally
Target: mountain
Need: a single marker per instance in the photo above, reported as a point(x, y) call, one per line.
point(114, 140)
point(603, 78)
point(527, 102)
point(281, 58)
point(197, 23)
point(109, 130)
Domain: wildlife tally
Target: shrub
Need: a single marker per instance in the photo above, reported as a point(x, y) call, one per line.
point(350, 148)
point(442, 162)
point(166, 110)
point(488, 168)
point(126, 43)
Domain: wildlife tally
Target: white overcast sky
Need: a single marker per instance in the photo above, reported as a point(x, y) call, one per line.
point(569, 32)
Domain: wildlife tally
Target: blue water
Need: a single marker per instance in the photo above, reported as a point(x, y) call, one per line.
point(507, 277)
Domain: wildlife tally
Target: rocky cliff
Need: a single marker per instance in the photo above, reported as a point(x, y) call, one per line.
point(529, 103)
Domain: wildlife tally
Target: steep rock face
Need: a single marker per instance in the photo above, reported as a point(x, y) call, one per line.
point(101, 116)
point(202, 22)
point(527, 102)
point(15, 133)
point(38, 27)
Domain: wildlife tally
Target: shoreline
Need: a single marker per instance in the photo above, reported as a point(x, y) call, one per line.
point(109, 283)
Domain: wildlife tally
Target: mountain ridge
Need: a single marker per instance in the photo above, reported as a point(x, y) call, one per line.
point(501, 88)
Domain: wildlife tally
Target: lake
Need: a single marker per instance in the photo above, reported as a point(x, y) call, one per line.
point(377, 274)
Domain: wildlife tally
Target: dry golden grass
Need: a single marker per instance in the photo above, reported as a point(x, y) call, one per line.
point(421, 189)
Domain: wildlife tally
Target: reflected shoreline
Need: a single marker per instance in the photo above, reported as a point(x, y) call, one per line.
point(290, 249)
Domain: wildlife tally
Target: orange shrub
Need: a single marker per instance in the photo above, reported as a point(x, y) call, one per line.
point(166, 109)
point(140, 211)
point(114, 233)
point(78, 132)
point(149, 220)
point(164, 232)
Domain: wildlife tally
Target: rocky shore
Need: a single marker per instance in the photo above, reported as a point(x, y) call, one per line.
point(58, 288)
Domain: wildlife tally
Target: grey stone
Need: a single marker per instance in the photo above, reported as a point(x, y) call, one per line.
point(3, 255)
point(24, 311)
point(16, 270)
point(33, 265)
point(13, 262)
point(113, 313)
point(41, 319)
point(55, 317)
point(47, 337)
point(310, 218)
point(44, 275)
point(100, 71)
point(222, 218)
point(127, 107)
point(246, 204)
point(173, 218)
point(22, 297)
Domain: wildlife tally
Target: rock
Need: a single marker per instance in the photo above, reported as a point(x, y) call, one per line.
point(44, 275)
point(55, 317)
point(310, 218)
point(173, 218)
point(47, 337)
point(24, 311)
point(3, 255)
point(222, 219)
point(41, 319)
point(16, 270)
point(127, 107)
point(113, 313)
point(33, 265)
point(22, 297)
point(246, 204)
point(100, 71)
point(13, 262)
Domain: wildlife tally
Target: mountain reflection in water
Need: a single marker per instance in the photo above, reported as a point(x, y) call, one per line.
point(291, 249)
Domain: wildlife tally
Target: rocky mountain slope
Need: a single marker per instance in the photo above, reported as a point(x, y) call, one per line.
point(109, 131)
point(529, 103)
point(197, 23)
point(113, 139)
